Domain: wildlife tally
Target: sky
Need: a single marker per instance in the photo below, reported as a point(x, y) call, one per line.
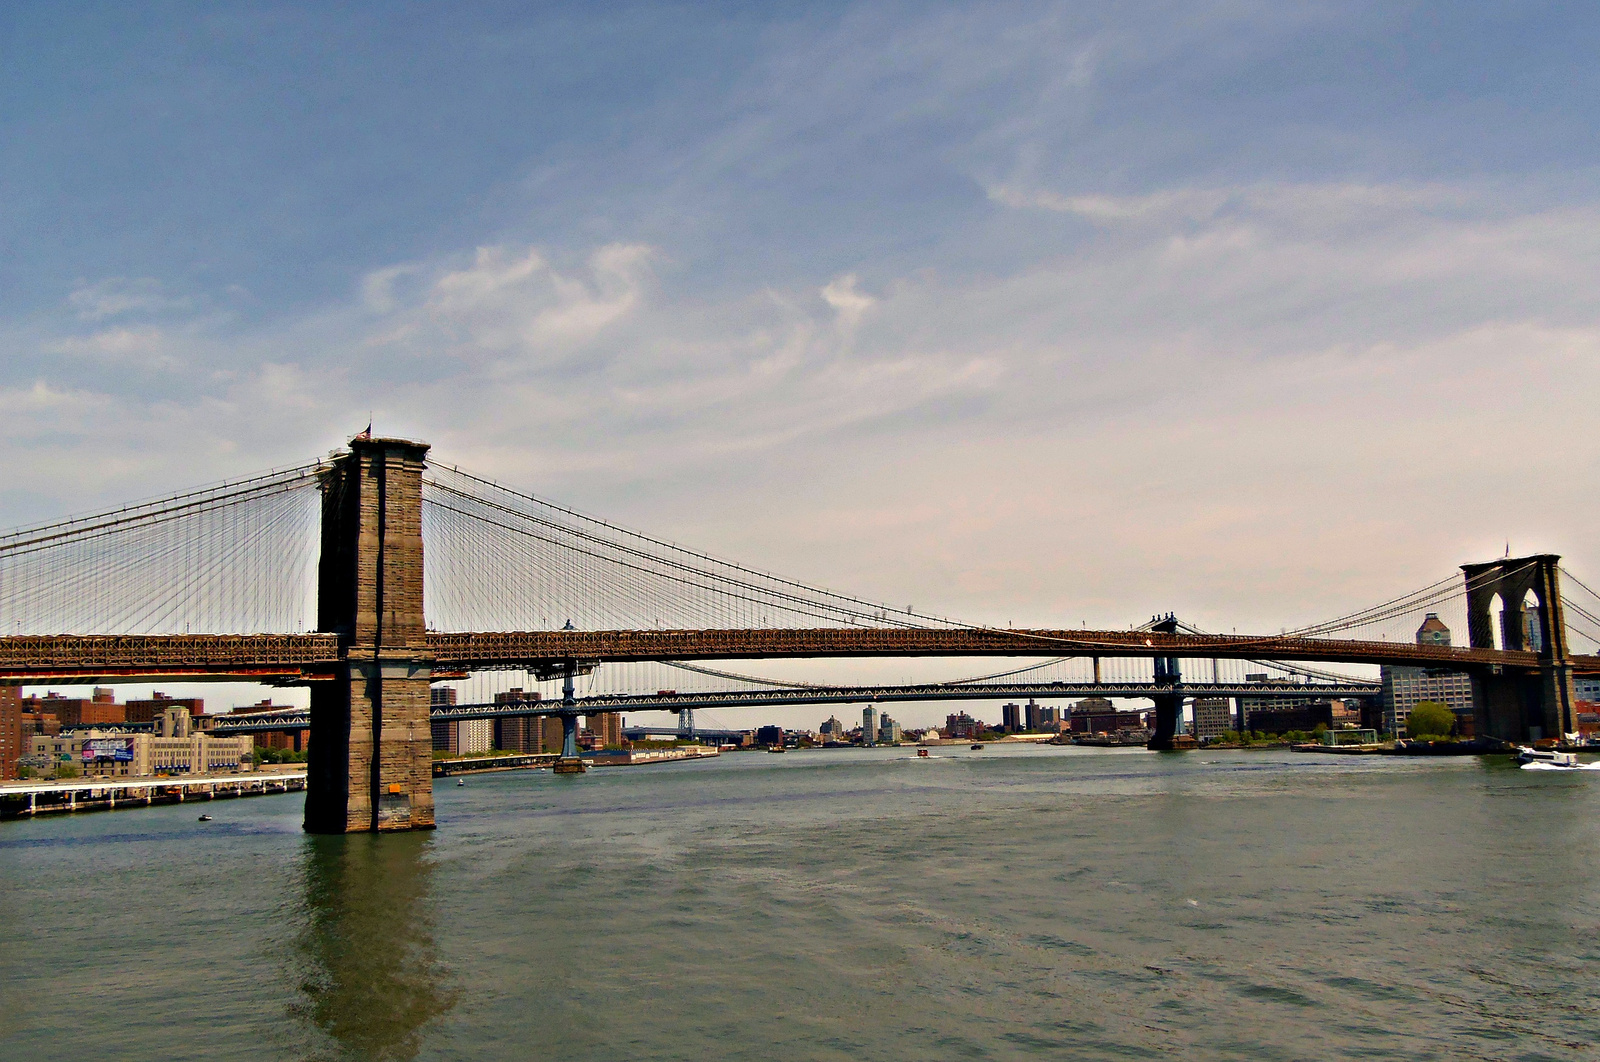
point(1026, 313)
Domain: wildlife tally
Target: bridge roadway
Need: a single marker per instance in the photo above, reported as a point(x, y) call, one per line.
point(295, 719)
point(299, 658)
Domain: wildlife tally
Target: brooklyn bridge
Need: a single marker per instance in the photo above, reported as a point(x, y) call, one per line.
point(315, 576)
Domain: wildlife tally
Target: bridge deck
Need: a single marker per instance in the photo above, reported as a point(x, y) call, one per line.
point(290, 658)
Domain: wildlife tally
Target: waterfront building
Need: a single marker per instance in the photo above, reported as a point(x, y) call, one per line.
point(1095, 721)
point(1404, 687)
point(889, 731)
point(832, 730)
point(1212, 716)
point(962, 725)
point(175, 747)
point(770, 736)
point(1284, 718)
point(1586, 689)
point(869, 725)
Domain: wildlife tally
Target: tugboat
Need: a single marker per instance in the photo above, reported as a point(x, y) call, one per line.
point(922, 754)
point(977, 746)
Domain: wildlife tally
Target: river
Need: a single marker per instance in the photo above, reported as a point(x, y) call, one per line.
point(851, 904)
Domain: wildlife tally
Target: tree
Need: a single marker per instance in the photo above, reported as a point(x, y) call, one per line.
point(1430, 720)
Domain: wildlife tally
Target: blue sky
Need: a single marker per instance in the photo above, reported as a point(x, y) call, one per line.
point(1029, 312)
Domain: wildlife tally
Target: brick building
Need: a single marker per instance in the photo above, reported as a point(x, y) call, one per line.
point(11, 746)
point(607, 729)
point(148, 710)
point(99, 709)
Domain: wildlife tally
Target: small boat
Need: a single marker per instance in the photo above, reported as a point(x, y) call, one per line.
point(461, 781)
point(776, 748)
point(922, 754)
point(205, 818)
point(977, 746)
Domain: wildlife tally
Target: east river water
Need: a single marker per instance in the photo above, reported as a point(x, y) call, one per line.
point(1010, 903)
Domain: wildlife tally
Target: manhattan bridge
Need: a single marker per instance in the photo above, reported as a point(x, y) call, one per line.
point(370, 576)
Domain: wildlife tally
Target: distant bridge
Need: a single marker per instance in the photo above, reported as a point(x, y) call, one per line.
point(297, 719)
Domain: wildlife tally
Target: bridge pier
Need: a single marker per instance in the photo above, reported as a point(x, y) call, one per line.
point(570, 762)
point(371, 767)
point(1517, 704)
point(1169, 706)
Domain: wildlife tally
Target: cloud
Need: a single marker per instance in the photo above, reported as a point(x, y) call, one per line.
point(509, 307)
point(121, 296)
point(846, 301)
point(145, 348)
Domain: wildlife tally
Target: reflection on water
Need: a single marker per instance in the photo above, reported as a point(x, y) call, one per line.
point(368, 972)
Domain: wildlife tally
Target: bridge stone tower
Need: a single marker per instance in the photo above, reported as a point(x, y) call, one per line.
point(371, 763)
point(1515, 706)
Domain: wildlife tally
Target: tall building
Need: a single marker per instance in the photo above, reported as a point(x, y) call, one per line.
point(1011, 718)
point(832, 730)
point(607, 729)
point(474, 735)
point(869, 725)
point(551, 734)
point(889, 731)
point(11, 748)
point(1586, 689)
point(445, 696)
point(1404, 687)
point(1212, 716)
point(516, 733)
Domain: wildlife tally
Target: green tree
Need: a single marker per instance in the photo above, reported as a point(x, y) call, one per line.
point(67, 770)
point(1430, 720)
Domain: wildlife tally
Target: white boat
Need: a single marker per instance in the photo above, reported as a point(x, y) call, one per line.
point(1551, 760)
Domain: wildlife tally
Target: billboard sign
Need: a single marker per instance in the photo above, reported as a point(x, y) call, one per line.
point(119, 749)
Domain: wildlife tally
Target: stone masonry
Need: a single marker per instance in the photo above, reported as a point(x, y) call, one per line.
point(371, 766)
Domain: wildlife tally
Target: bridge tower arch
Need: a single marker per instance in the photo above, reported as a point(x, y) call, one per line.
point(371, 763)
point(1519, 705)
